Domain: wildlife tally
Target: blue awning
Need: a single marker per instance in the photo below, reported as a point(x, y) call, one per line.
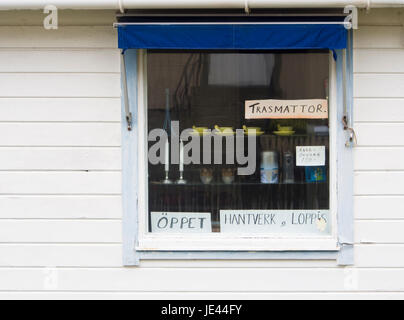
point(233, 36)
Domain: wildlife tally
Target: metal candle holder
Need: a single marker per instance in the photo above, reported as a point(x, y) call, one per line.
point(166, 179)
point(181, 180)
point(167, 128)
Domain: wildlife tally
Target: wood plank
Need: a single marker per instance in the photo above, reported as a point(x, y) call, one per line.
point(382, 158)
point(60, 85)
point(60, 231)
point(110, 255)
point(378, 60)
point(379, 183)
point(379, 85)
point(60, 207)
point(63, 255)
point(379, 256)
point(378, 110)
point(383, 232)
point(60, 109)
point(59, 60)
point(60, 134)
point(202, 280)
point(381, 16)
point(60, 182)
point(65, 17)
point(378, 37)
point(42, 158)
point(379, 207)
point(172, 279)
point(64, 37)
point(379, 134)
point(116, 295)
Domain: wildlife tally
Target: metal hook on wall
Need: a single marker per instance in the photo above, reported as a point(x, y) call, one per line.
point(352, 140)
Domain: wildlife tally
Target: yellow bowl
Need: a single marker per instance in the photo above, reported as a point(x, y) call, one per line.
point(257, 129)
point(285, 128)
point(224, 129)
point(199, 129)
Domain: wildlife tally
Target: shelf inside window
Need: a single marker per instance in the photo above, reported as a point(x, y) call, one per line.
point(234, 184)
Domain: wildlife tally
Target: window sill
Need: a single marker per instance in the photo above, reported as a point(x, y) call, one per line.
point(170, 244)
point(238, 255)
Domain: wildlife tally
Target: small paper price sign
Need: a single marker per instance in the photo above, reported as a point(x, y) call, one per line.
point(310, 156)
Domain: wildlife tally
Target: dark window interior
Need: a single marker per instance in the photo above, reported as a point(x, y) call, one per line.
point(208, 88)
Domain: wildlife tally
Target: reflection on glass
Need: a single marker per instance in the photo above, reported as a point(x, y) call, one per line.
point(209, 88)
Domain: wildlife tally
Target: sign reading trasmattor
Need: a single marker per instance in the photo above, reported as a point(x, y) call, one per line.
point(286, 109)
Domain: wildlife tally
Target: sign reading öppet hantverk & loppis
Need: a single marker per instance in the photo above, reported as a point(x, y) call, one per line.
point(286, 109)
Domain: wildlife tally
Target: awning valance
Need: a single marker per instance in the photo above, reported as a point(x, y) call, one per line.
point(238, 36)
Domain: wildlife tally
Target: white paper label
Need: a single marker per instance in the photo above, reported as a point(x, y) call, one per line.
point(181, 222)
point(286, 109)
point(316, 222)
point(310, 156)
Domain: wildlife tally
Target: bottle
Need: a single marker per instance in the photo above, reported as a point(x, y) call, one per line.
point(269, 167)
point(288, 169)
point(315, 174)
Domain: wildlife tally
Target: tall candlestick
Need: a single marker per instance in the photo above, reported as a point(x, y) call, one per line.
point(181, 180)
point(166, 156)
point(181, 156)
point(167, 162)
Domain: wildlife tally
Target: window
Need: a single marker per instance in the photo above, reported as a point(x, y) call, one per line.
point(232, 140)
point(249, 159)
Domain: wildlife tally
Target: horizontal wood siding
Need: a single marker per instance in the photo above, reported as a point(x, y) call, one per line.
point(60, 175)
point(60, 158)
point(378, 158)
point(66, 109)
point(66, 37)
point(37, 134)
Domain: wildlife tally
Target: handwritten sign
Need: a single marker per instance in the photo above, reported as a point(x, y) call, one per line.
point(310, 156)
point(276, 221)
point(181, 222)
point(286, 109)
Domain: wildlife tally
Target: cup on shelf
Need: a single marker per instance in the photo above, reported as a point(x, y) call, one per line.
point(252, 130)
point(284, 131)
point(285, 128)
point(224, 130)
point(200, 130)
point(206, 175)
point(228, 175)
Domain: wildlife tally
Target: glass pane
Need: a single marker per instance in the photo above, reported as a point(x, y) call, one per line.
point(288, 190)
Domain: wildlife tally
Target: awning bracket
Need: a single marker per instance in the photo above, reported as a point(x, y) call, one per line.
point(346, 121)
point(128, 114)
point(352, 135)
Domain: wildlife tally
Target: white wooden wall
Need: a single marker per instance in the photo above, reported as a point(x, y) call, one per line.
point(60, 210)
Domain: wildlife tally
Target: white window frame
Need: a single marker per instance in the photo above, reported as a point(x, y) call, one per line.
point(147, 241)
